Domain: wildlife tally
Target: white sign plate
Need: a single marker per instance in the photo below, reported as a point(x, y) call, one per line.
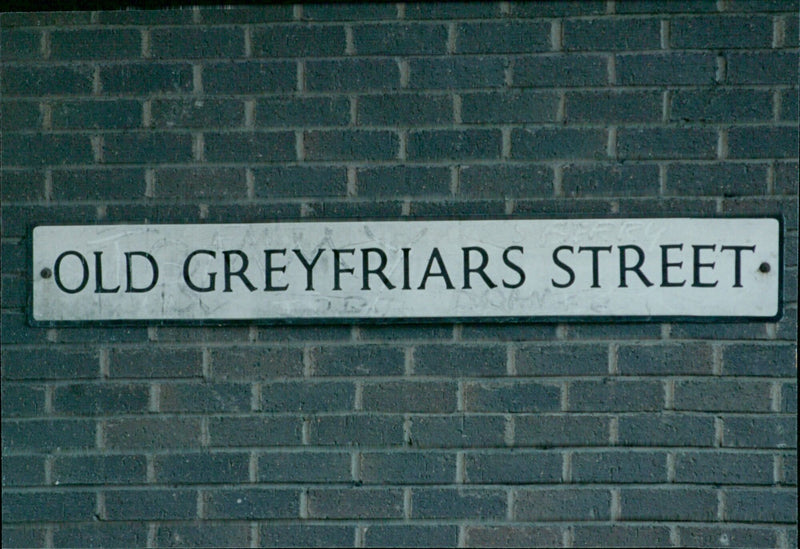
point(639, 268)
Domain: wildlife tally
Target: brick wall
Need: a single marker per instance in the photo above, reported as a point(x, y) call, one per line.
point(570, 434)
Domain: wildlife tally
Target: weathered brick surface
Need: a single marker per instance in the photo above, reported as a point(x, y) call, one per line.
point(611, 433)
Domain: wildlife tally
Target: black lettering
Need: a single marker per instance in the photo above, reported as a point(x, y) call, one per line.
point(513, 266)
point(595, 261)
point(338, 269)
point(479, 269)
point(737, 262)
point(564, 266)
point(84, 277)
point(697, 266)
point(98, 276)
point(366, 271)
point(309, 267)
point(229, 273)
point(406, 275)
point(623, 267)
point(129, 288)
point(665, 265)
point(269, 269)
point(211, 276)
point(435, 255)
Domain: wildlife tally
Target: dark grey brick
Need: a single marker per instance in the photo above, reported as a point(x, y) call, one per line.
point(48, 434)
point(557, 143)
point(666, 359)
point(619, 466)
point(21, 44)
point(667, 206)
point(789, 398)
point(785, 207)
point(203, 535)
point(356, 430)
point(145, 148)
point(609, 180)
point(621, 535)
point(457, 431)
point(134, 16)
point(723, 468)
point(761, 505)
point(504, 180)
point(299, 41)
point(344, 75)
point(407, 332)
point(721, 106)
point(509, 107)
point(14, 291)
point(404, 110)
point(151, 504)
point(673, 69)
point(456, 72)
point(255, 146)
point(303, 396)
point(305, 466)
point(194, 113)
point(722, 179)
point(247, 77)
point(509, 332)
point(95, 44)
point(304, 333)
point(20, 115)
point(89, 399)
point(192, 43)
point(22, 400)
point(396, 535)
point(46, 149)
point(716, 395)
point(659, 7)
point(305, 535)
point(21, 186)
point(763, 142)
point(513, 536)
point(393, 181)
point(302, 111)
point(200, 183)
point(464, 503)
point(408, 396)
point(774, 67)
point(348, 12)
point(38, 19)
point(668, 504)
point(14, 257)
point(17, 221)
point(790, 31)
point(407, 467)
point(759, 432)
point(666, 430)
point(116, 114)
point(355, 503)
point(514, 397)
point(726, 536)
point(152, 433)
point(454, 144)
point(400, 39)
point(25, 536)
point(459, 360)
point(568, 503)
point(23, 470)
point(714, 31)
point(47, 506)
point(549, 430)
point(100, 535)
point(351, 145)
point(202, 468)
point(558, 70)
point(155, 363)
point(616, 106)
point(557, 8)
point(151, 213)
point(452, 10)
point(99, 470)
point(146, 78)
point(786, 182)
point(295, 181)
point(512, 467)
point(789, 103)
point(358, 360)
point(561, 360)
point(450, 208)
point(98, 184)
point(487, 37)
point(33, 81)
point(666, 143)
point(254, 431)
point(41, 364)
point(760, 360)
point(612, 34)
point(246, 14)
point(205, 397)
point(790, 468)
point(609, 395)
point(762, 5)
point(380, 209)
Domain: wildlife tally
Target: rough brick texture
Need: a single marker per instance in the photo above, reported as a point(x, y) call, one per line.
point(553, 434)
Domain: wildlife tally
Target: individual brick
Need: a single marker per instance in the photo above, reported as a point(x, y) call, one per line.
point(406, 397)
point(393, 181)
point(297, 181)
point(355, 503)
point(452, 10)
point(204, 397)
point(23, 471)
point(20, 186)
point(250, 146)
point(14, 291)
point(456, 72)
point(557, 143)
point(405, 332)
point(668, 504)
point(299, 112)
point(789, 468)
point(305, 535)
point(101, 470)
point(772, 67)
point(660, 69)
point(130, 148)
point(194, 113)
point(14, 256)
point(488, 37)
point(199, 183)
point(196, 43)
point(171, 16)
point(17, 221)
point(137, 433)
point(350, 209)
point(720, 179)
point(549, 430)
point(610, 395)
point(513, 536)
point(202, 535)
point(721, 106)
point(46, 149)
point(558, 71)
point(723, 468)
point(298, 41)
point(116, 114)
point(459, 360)
point(457, 431)
point(769, 359)
point(202, 468)
point(784, 207)
point(303, 396)
point(666, 430)
point(659, 7)
point(151, 77)
point(95, 44)
point(22, 400)
point(33, 81)
point(760, 505)
point(20, 115)
point(231, 14)
point(509, 107)
point(563, 503)
point(155, 363)
point(610, 180)
point(619, 535)
point(25, 536)
point(305, 466)
point(464, 503)
point(42, 364)
point(89, 399)
point(37, 19)
point(402, 535)
point(294, 333)
point(400, 39)
point(231, 431)
point(512, 468)
point(351, 145)
point(759, 432)
point(344, 75)
point(404, 110)
point(451, 208)
point(248, 77)
point(789, 104)
point(671, 143)
point(47, 506)
point(405, 468)
point(352, 360)
point(562, 359)
point(508, 397)
point(150, 504)
point(500, 181)
point(612, 34)
point(366, 430)
point(726, 536)
point(100, 534)
point(619, 467)
point(48, 434)
point(348, 12)
point(21, 44)
point(151, 213)
point(665, 359)
point(453, 144)
point(714, 31)
point(789, 398)
point(98, 184)
point(763, 142)
point(717, 395)
point(613, 106)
